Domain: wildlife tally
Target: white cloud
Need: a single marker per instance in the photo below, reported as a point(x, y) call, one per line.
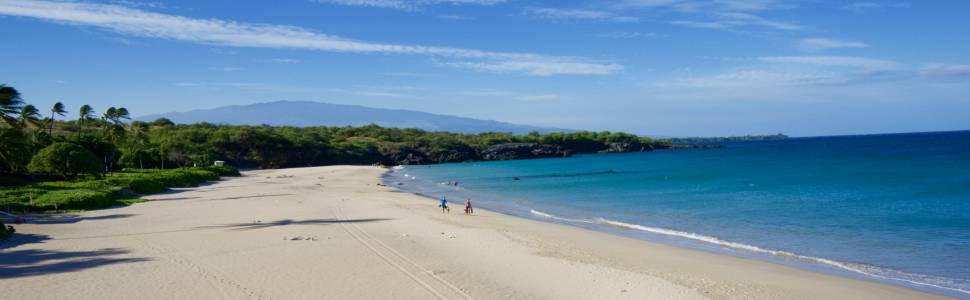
point(407, 4)
point(834, 61)
point(726, 20)
point(703, 5)
point(822, 44)
point(866, 6)
point(225, 69)
point(629, 35)
point(937, 70)
point(736, 18)
point(403, 74)
point(138, 3)
point(284, 60)
point(455, 17)
point(700, 24)
point(753, 78)
point(382, 94)
point(576, 14)
point(540, 67)
point(544, 97)
point(786, 71)
point(142, 23)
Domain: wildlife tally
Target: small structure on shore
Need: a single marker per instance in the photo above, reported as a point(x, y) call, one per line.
point(219, 163)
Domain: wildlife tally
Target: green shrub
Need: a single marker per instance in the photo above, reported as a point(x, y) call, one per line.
point(146, 186)
point(222, 170)
point(118, 188)
point(75, 199)
point(65, 159)
point(3, 231)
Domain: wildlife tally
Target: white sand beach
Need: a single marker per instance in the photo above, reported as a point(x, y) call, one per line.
point(334, 233)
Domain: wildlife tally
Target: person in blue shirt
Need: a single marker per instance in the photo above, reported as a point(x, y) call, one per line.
point(444, 205)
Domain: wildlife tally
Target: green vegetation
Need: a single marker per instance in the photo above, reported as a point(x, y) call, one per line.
point(696, 140)
point(92, 162)
point(65, 159)
point(118, 188)
point(161, 144)
point(4, 231)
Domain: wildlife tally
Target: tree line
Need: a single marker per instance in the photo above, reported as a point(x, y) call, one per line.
point(36, 142)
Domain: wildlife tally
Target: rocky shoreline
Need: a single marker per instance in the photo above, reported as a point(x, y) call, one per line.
point(516, 151)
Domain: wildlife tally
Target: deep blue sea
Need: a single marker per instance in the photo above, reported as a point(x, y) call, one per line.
point(890, 208)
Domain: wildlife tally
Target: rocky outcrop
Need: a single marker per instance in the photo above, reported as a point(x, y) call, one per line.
point(627, 147)
point(522, 151)
point(696, 146)
point(407, 156)
point(512, 151)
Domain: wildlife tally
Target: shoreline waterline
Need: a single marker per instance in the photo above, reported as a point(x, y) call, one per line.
point(688, 240)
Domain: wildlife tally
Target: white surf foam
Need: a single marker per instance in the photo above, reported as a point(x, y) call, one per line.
point(866, 270)
point(545, 215)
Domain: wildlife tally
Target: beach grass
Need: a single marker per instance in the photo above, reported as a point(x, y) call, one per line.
point(117, 189)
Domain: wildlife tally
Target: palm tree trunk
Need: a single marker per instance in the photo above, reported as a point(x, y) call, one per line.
point(50, 131)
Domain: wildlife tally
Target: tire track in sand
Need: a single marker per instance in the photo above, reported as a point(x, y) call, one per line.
point(220, 283)
point(388, 254)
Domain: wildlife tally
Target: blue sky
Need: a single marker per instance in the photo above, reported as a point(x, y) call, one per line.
point(656, 67)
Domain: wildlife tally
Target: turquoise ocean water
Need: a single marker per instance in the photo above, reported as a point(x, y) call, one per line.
point(889, 208)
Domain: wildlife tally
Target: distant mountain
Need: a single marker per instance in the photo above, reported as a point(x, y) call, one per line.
point(306, 113)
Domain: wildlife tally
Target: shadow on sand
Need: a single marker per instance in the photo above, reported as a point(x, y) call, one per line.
point(286, 222)
point(170, 199)
point(37, 262)
point(72, 218)
point(254, 196)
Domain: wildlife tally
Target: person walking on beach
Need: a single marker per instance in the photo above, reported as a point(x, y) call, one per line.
point(468, 206)
point(444, 205)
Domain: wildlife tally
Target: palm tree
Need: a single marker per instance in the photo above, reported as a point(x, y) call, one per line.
point(10, 104)
point(29, 115)
point(84, 114)
point(57, 109)
point(139, 131)
point(122, 113)
point(109, 115)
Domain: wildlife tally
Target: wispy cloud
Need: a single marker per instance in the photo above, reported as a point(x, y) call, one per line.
point(225, 69)
point(403, 74)
point(703, 5)
point(549, 67)
point(543, 97)
point(142, 23)
point(752, 78)
point(576, 14)
point(284, 60)
point(822, 44)
point(629, 35)
point(251, 87)
point(937, 70)
point(867, 6)
point(782, 71)
point(834, 61)
point(726, 20)
point(382, 94)
point(716, 14)
point(407, 5)
point(455, 17)
point(138, 3)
